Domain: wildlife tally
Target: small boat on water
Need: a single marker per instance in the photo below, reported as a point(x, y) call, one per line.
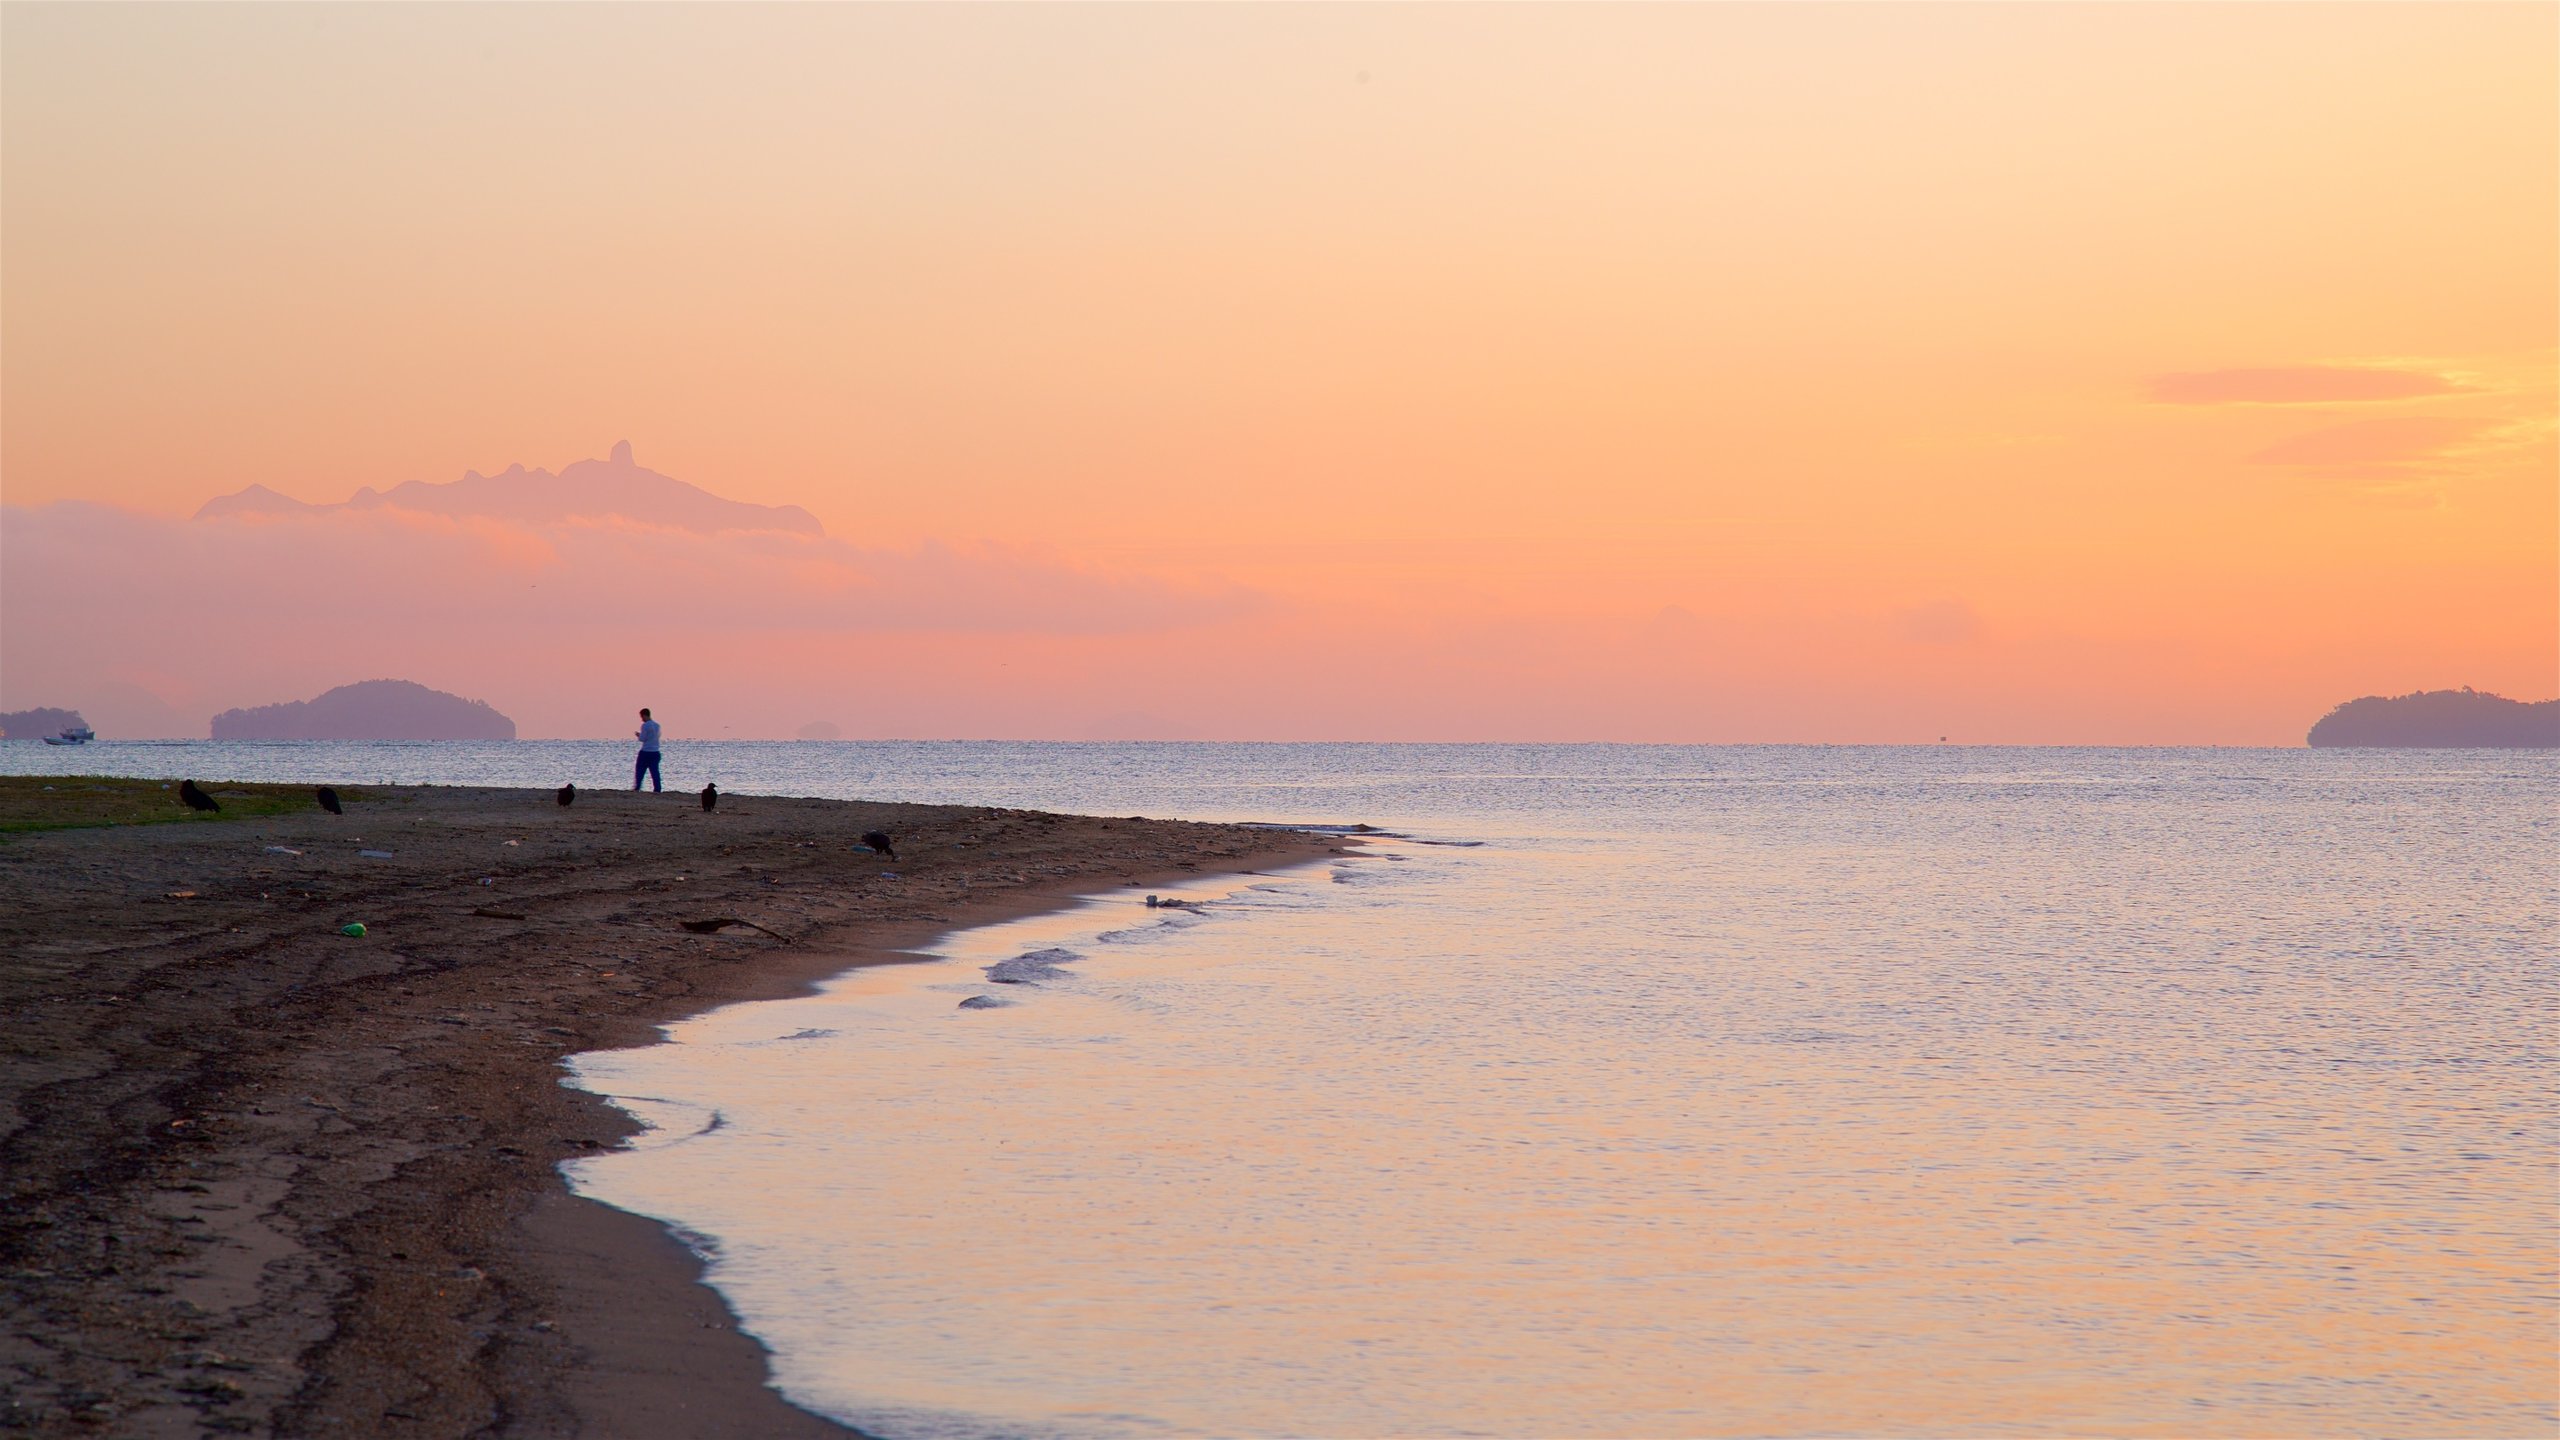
point(72, 735)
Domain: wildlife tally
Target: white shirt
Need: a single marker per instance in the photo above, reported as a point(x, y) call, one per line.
point(648, 734)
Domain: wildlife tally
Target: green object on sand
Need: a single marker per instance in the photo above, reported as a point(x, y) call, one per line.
point(356, 929)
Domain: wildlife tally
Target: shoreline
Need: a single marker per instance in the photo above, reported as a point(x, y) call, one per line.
point(688, 1369)
point(266, 1178)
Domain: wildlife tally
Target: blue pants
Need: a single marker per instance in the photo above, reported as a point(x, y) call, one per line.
point(647, 765)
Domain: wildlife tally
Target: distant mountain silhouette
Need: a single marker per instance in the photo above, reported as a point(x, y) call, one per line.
point(258, 500)
point(618, 487)
point(2445, 719)
point(37, 723)
point(369, 710)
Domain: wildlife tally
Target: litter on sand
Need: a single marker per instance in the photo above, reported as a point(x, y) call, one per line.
point(354, 928)
point(282, 850)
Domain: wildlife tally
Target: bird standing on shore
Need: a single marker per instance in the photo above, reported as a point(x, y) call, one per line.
point(329, 801)
point(878, 840)
point(710, 797)
point(196, 799)
point(568, 794)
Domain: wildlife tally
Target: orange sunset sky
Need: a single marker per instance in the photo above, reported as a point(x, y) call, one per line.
point(2041, 373)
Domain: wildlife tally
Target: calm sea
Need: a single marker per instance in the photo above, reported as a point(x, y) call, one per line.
point(1647, 1091)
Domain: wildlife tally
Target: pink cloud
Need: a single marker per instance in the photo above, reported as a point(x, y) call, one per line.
point(277, 605)
point(2296, 385)
point(2370, 444)
point(404, 567)
point(585, 489)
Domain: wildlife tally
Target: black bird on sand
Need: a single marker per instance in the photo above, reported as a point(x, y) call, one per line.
point(878, 840)
point(568, 794)
point(329, 801)
point(710, 797)
point(195, 798)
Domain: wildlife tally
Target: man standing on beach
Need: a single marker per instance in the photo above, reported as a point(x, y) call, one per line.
point(647, 764)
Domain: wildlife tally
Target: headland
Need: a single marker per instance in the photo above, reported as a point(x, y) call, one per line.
point(266, 1177)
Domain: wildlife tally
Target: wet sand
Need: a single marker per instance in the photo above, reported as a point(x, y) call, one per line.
point(260, 1177)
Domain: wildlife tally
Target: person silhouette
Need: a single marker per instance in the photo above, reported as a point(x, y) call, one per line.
point(647, 764)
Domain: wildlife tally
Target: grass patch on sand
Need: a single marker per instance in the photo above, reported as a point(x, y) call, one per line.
point(73, 802)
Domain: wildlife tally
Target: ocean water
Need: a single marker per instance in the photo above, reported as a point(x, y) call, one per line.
point(1648, 1091)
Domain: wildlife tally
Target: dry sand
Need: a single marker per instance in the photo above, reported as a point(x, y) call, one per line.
point(258, 1177)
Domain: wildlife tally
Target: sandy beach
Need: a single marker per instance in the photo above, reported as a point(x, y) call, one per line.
point(263, 1177)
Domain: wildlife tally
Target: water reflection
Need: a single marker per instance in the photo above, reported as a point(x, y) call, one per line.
point(2159, 1096)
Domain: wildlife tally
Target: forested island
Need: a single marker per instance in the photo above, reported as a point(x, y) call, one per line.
point(37, 723)
point(2441, 719)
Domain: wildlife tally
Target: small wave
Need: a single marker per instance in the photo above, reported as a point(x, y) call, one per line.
point(1036, 967)
point(1806, 1037)
point(705, 1248)
point(809, 1035)
point(1181, 919)
point(1359, 875)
